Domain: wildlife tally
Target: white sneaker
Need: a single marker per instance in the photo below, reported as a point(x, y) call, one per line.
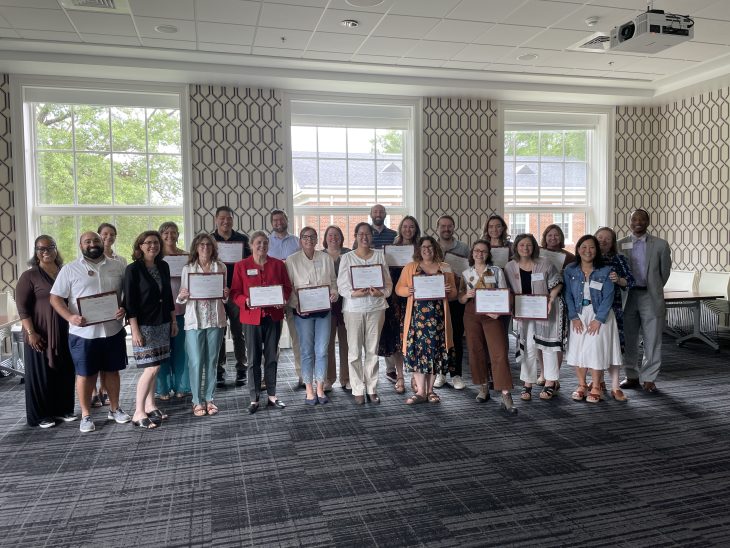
point(457, 383)
point(483, 393)
point(348, 387)
point(440, 380)
point(47, 423)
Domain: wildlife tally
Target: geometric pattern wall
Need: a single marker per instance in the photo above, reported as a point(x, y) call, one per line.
point(237, 154)
point(460, 164)
point(8, 273)
point(673, 161)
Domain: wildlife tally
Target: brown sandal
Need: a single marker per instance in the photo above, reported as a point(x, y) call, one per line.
point(594, 397)
point(212, 408)
point(433, 398)
point(580, 393)
point(400, 386)
point(618, 395)
point(199, 410)
point(415, 398)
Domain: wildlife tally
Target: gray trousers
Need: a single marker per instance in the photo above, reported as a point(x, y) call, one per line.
point(239, 342)
point(642, 319)
point(263, 344)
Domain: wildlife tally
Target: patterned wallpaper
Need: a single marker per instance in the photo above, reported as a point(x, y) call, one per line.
point(237, 154)
point(460, 163)
point(7, 192)
point(673, 161)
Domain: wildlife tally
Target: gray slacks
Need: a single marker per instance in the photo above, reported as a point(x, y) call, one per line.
point(642, 320)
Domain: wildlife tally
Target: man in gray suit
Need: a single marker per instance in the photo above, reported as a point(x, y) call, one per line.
point(651, 262)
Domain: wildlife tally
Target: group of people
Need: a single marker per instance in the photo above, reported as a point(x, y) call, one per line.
point(599, 302)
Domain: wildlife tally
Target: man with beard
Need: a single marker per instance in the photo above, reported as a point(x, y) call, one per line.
point(382, 235)
point(100, 347)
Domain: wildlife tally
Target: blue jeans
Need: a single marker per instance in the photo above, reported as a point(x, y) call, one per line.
point(202, 346)
point(314, 337)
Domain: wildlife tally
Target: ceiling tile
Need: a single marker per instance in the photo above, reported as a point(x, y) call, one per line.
point(493, 11)
point(49, 35)
point(401, 26)
point(284, 16)
point(556, 39)
point(309, 3)
point(380, 8)
point(430, 49)
point(507, 35)
point(659, 66)
point(168, 44)
point(588, 60)
point(277, 52)
point(236, 12)
point(512, 57)
point(714, 32)
point(223, 48)
point(608, 18)
point(103, 23)
point(220, 33)
point(438, 8)
point(694, 51)
point(688, 7)
point(457, 31)
point(504, 67)
point(482, 53)
point(540, 13)
point(37, 19)
point(717, 10)
point(48, 4)
point(376, 59)
point(415, 62)
point(328, 41)
point(331, 22)
point(464, 65)
point(146, 27)
point(327, 55)
point(173, 9)
point(272, 38)
point(92, 38)
point(378, 45)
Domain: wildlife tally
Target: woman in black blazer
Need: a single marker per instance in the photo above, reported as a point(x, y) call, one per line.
point(151, 314)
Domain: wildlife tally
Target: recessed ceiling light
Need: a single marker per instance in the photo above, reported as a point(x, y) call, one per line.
point(592, 21)
point(166, 29)
point(364, 3)
point(350, 23)
point(527, 57)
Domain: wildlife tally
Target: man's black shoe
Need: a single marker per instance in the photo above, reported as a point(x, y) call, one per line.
point(240, 377)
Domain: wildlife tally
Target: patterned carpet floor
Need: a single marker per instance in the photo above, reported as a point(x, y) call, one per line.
point(654, 471)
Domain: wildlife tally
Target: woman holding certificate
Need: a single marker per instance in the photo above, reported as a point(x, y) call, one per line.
point(485, 335)
point(205, 319)
point(429, 285)
point(365, 284)
point(496, 233)
point(538, 313)
point(312, 275)
point(151, 314)
point(594, 339)
point(260, 288)
point(333, 240)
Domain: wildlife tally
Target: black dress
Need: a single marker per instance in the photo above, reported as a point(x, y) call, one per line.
point(391, 336)
point(49, 375)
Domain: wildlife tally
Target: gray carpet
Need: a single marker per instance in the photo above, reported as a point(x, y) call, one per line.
point(651, 472)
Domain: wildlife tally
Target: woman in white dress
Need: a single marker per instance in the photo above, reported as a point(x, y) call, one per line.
point(594, 341)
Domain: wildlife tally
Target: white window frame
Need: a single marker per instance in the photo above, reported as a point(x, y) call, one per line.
point(103, 92)
point(357, 105)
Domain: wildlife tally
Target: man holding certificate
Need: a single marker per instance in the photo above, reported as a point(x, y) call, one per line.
point(96, 334)
point(261, 287)
point(312, 273)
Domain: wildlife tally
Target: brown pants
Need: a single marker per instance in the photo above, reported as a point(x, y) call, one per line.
point(485, 334)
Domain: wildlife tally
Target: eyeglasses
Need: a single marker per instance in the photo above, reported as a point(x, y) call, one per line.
point(151, 243)
point(312, 237)
point(205, 244)
point(42, 250)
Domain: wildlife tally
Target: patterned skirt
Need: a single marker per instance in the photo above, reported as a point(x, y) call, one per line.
point(426, 342)
point(156, 345)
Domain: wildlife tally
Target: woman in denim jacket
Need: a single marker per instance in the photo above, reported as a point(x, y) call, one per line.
point(594, 340)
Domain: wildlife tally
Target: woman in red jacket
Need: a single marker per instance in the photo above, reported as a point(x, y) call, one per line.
point(262, 324)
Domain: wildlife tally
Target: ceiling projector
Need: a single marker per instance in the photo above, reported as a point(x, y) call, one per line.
point(652, 32)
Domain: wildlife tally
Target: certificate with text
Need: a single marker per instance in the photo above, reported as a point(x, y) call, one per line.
point(230, 252)
point(500, 256)
point(98, 308)
point(176, 263)
point(531, 307)
point(398, 255)
point(206, 285)
point(314, 299)
point(265, 295)
point(492, 301)
point(429, 287)
point(458, 263)
point(365, 276)
point(555, 257)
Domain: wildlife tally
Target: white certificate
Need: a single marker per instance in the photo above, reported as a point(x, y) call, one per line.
point(98, 308)
point(531, 307)
point(176, 264)
point(230, 252)
point(206, 285)
point(398, 255)
point(500, 256)
point(492, 301)
point(365, 276)
point(265, 295)
point(556, 258)
point(458, 263)
point(429, 287)
point(314, 299)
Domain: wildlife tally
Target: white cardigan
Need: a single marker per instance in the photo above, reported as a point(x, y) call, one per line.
point(193, 320)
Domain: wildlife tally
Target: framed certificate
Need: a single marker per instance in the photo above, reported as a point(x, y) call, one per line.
point(98, 308)
point(429, 287)
point(365, 276)
point(492, 301)
point(531, 307)
point(556, 258)
point(176, 263)
point(458, 263)
point(266, 295)
point(206, 285)
point(230, 252)
point(398, 255)
point(500, 256)
point(314, 299)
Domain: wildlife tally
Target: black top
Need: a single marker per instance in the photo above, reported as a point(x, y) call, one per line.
point(143, 298)
point(235, 237)
point(526, 282)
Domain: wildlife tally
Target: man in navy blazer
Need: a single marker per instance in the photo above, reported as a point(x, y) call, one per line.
point(651, 262)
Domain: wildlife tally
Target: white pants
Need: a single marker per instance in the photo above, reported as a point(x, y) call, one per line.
point(363, 332)
point(528, 365)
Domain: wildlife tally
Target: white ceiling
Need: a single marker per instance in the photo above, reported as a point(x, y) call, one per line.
point(456, 47)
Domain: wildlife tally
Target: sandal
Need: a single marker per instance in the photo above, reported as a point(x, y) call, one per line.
point(580, 393)
point(104, 398)
point(548, 392)
point(400, 386)
point(540, 381)
point(212, 408)
point(526, 394)
point(158, 415)
point(594, 397)
point(618, 395)
point(433, 398)
point(145, 423)
point(95, 401)
point(415, 399)
point(164, 397)
point(199, 410)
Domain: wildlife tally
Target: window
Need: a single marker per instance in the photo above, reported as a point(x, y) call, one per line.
point(555, 168)
point(345, 158)
point(95, 156)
